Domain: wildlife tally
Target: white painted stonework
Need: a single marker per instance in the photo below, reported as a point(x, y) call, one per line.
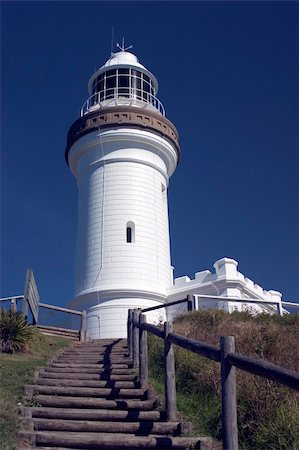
point(226, 281)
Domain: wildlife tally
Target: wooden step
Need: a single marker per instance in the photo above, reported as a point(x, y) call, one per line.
point(98, 360)
point(111, 393)
point(97, 369)
point(85, 346)
point(141, 428)
point(89, 366)
point(83, 402)
point(96, 351)
point(96, 375)
point(86, 383)
point(71, 351)
point(119, 441)
point(95, 414)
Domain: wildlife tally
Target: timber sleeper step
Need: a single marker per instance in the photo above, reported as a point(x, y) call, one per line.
point(98, 369)
point(93, 414)
point(96, 356)
point(97, 375)
point(97, 360)
point(90, 366)
point(83, 402)
point(87, 383)
point(115, 393)
point(141, 428)
point(92, 352)
point(114, 441)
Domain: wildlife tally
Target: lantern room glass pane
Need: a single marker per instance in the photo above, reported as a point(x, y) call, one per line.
point(123, 92)
point(136, 73)
point(109, 93)
point(146, 87)
point(110, 73)
point(123, 81)
point(100, 86)
point(123, 71)
point(110, 82)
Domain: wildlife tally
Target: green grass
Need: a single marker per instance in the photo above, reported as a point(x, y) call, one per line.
point(17, 370)
point(268, 413)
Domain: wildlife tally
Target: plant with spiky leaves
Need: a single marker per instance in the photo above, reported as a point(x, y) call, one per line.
point(15, 332)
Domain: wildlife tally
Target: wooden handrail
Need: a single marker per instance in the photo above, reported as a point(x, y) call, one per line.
point(226, 356)
point(201, 348)
point(59, 308)
point(265, 369)
point(153, 329)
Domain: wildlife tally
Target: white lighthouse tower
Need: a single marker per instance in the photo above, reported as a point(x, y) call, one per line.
point(122, 151)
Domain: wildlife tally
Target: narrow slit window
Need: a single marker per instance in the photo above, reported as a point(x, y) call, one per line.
point(130, 232)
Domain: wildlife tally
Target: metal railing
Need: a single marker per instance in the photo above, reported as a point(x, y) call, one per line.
point(31, 302)
point(225, 355)
point(126, 96)
point(192, 302)
point(83, 325)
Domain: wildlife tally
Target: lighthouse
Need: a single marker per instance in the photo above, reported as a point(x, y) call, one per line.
point(122, 150)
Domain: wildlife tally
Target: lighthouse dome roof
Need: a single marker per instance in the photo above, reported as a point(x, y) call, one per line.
point(123, 58)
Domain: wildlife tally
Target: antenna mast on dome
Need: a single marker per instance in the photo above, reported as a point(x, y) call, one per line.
point(122, 47)
point(112, 40)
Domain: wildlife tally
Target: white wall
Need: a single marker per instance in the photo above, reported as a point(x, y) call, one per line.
point(122, 176)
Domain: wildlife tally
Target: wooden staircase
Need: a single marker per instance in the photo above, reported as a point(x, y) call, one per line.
point(89, 397)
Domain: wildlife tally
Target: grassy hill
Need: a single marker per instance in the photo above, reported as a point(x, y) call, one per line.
point(15, 371)
point(268, 414)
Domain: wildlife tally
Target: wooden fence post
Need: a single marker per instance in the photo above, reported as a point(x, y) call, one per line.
point(83, 327)
point(169, 369)
point(143, 352)
point(129, 331)
point(132, 335)
point(279, 309)
point(136, 313)
point(190, 302)
point(228, 395)
point(13, 305)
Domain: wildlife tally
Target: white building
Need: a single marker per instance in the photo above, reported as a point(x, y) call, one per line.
point(123, 151)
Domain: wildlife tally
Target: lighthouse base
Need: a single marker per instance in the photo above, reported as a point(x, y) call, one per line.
point(107, 317)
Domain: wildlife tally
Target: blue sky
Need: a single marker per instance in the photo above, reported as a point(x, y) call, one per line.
point(227, 74)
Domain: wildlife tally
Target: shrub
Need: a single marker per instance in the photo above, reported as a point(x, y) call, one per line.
point(15, 333)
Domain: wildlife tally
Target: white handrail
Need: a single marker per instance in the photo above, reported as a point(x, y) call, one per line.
point(13, 297)
point(248, 300)
point(118, 94)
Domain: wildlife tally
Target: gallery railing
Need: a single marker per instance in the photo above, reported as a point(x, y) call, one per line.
point(123, 96)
